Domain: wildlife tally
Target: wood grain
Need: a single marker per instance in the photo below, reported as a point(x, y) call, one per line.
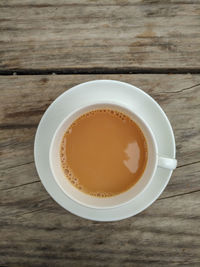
point(165, 234)
point(35, 231)
point(69, 35)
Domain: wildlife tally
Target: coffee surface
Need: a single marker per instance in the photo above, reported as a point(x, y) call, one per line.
point(103, 153)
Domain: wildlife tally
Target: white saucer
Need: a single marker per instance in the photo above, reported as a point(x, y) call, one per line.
point(89, 93)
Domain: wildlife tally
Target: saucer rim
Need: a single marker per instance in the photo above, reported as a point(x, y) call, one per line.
point(89, 216)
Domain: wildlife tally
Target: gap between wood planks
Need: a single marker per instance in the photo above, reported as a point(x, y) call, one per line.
point(93, 70)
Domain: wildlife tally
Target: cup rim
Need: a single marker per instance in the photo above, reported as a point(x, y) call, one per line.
point(117, 104)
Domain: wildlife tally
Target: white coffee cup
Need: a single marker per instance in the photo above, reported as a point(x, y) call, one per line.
point(154, 160)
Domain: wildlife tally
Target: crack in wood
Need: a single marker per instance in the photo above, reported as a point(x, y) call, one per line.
point(179, 195)
point(188, 164)
point(43, 208)
point(33, 211)
point(181, 90)
point(17, 126)
point(11, 167)
point(10, 188)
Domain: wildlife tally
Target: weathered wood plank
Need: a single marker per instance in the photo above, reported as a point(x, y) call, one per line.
point(25, 98)
point(22, 192)
point(165, 234)
point(108, 34)
point(35, 231)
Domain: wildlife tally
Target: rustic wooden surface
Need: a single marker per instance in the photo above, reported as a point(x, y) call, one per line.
point(153, 44)
point(35, 231)
point(114, 34)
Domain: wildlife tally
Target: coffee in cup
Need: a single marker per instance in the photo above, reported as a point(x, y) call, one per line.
point(103, 153)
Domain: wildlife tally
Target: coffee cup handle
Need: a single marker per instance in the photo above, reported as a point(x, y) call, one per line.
point(167, 163)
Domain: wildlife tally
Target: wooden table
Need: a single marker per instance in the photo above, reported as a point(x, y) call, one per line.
point(152, 44)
